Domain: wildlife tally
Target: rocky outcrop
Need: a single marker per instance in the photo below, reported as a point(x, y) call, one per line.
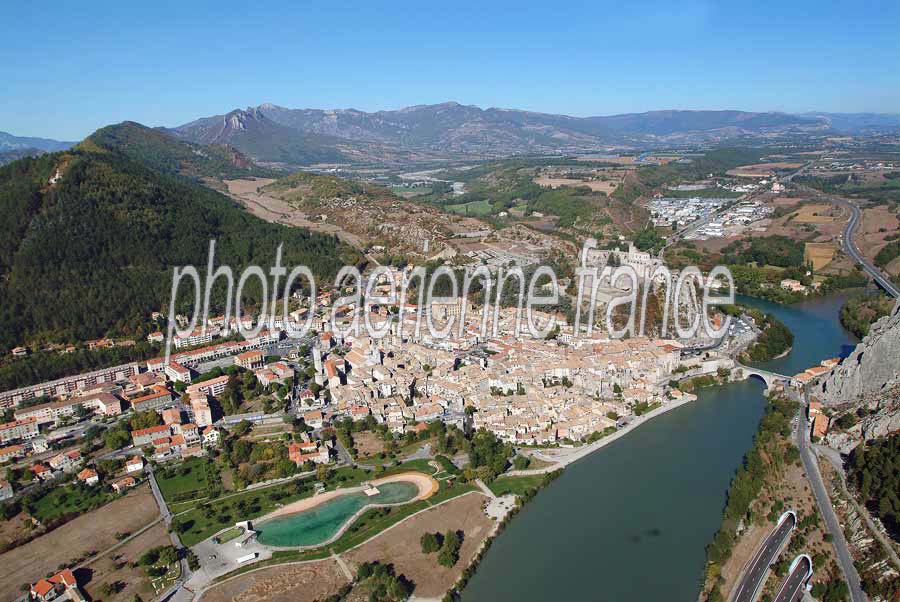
point(883, 420)
point(872, 368)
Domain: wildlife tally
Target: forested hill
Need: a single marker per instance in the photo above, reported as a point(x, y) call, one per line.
point(92, 253)
point(162, 152)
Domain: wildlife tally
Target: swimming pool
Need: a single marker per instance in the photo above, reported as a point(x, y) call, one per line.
point(320, 523)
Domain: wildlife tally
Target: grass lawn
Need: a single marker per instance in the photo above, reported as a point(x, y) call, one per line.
point(517, 485)
point(229, 534)
point(186, 478)
point(536, 463)
point(481, 207)
point(447, 465)
point(69, 499)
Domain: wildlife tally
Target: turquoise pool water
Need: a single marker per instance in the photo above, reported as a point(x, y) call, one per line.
point(319, 524)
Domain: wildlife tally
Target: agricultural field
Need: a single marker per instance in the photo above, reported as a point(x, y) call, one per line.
point(481, 207)
point(818, 213)
point(91, 532)
point(763, 170)
point(820, 254)
point(305, 582)
point(400, 545)
point(116, 568)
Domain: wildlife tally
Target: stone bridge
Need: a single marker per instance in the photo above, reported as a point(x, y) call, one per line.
point(741, 372)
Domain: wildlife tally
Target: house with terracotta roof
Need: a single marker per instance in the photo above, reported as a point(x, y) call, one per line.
point(135, 464)
point(250, 360)
point(65, 461)
point(300, 452)
point(159, 397)
point(142, 437)
point(89, 476)
point(59, 587)
point(123, 484)
point(11, 452)
point(42, 471)
point(171, 416)
point(820, 425)
point(314, 419)
point(210, 436)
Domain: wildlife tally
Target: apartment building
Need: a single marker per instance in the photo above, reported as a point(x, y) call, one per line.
point(68, 385)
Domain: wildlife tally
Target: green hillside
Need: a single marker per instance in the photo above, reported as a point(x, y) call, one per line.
point(167, 154)
point(311, 189)
point(93, 253)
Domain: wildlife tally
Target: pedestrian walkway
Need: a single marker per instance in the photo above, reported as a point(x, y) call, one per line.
point(343, 566)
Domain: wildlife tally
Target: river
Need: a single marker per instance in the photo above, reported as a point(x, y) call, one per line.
point(631, 521)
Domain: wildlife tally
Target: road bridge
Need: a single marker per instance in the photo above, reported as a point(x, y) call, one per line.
point(741, 372)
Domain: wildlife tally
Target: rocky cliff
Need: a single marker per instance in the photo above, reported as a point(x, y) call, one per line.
point(872, 368)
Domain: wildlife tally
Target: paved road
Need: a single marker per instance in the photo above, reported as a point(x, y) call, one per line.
point(794, 584)
point(758, 569)
point(176, 541)
point(849, 246)
point(832, 525)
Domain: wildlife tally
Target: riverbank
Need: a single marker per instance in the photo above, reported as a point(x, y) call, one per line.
point(562, 457)
point(602, 521)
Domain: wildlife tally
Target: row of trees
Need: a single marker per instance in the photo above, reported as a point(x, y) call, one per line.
point(767, 454)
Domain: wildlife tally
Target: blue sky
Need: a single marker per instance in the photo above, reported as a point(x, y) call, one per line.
point(71, 67)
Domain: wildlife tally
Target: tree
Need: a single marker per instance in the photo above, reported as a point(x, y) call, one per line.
point(521, 462)
point(489, 452)
point(449, 553)
point(145, 419)
point(322, 472)
point(168, 555)
point(242, 428)
point(116, 438)
point(430, 543)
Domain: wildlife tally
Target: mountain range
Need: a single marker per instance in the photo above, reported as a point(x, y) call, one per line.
point(13, 148)
point(282, 137)
point(271, 133)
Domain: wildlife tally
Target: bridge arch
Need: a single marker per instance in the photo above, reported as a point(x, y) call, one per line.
point(759, 377)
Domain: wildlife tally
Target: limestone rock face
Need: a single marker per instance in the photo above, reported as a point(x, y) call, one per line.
point(872, 368)
point(885, 423)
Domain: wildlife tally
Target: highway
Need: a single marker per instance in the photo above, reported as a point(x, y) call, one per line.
point(755, 575)
point(823, 501)
point(849, 247)
point(792, 588)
